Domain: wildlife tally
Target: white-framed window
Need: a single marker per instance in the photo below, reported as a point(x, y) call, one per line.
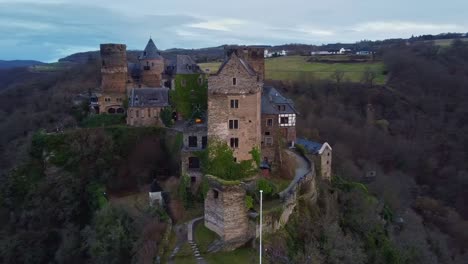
point(269, 141)
point(234, 142)
point(235, 103)
point(269, 122)
point(286, 120)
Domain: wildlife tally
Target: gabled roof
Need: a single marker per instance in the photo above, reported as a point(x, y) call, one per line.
point(151, 52)
point(271, 99)
point(245, 65)
point(313, 147)
point(186, 65)
point(149, 97)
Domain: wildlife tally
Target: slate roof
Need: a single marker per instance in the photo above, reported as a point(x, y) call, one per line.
point(134, 69)
point(151, 52)
point(271, 98)
point(183, 64)
point(311, 146)
point(149, 97)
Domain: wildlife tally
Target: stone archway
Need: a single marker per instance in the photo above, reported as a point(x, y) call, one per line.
point(120, 110)
point(111, 110)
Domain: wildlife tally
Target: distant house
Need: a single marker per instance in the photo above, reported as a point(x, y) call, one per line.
point(322, 155)
point(320, 52)
point(145, 105)
point(363, 52)
point(268, 54)
point(278, 122)
point(344, 51)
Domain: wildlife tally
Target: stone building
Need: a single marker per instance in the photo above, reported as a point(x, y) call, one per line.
point(145, 105)
point(278, 123)
point(194, 140)
point(234, 101)
point(151, 66)
point(114, 74)
point(226, 213)
point(322, 156)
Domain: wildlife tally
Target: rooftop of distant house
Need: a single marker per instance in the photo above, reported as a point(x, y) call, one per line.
point(273, 102)
point(149, 97)
point(183, 64)
point(312, 147)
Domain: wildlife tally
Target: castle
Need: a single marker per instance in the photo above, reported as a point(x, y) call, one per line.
point(232, 105)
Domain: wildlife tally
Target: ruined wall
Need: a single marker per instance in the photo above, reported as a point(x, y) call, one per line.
point(114, 68)
point(248, 93)
point(226, 213)
point(144, 116)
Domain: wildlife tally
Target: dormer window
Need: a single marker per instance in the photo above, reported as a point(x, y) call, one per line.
point(234, 81)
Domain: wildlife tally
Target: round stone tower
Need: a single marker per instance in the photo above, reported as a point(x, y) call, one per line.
point(114, 68)
point(152, 66)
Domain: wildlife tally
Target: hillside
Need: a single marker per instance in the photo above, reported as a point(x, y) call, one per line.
point(18, 63)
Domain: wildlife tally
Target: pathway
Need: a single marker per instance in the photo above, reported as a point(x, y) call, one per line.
point(302, 168)
point(184, 233)
point(196, 251)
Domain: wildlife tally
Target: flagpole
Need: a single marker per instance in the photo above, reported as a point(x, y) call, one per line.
point(261, 209)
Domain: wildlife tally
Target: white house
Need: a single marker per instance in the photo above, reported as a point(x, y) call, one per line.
point(344, 51)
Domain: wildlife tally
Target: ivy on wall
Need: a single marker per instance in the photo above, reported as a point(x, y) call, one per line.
point(190, 95)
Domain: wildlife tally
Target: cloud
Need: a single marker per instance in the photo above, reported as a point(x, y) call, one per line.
point(227, 24)
point(405, 27)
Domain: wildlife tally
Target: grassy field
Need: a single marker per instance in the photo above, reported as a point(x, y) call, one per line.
point(240, 255)
point(445, 42)
point(298, 68)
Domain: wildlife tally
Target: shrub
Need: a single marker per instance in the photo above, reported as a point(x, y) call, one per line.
point(269, 188)
point(248, 202)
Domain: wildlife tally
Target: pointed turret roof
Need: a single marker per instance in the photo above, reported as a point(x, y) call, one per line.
point(151, 51)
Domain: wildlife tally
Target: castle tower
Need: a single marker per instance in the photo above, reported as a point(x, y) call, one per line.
point(152, 66)
point(254, 56)
point(113, 68)
point(114, 78)
point(234, 104)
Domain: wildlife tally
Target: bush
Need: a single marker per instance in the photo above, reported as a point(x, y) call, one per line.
point(248, 202)
point(268, 187)
point(103, 120)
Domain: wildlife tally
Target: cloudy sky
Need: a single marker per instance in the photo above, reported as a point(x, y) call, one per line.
point(50, 29)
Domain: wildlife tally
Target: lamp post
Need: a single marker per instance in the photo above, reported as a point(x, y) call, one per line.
point(261, 205)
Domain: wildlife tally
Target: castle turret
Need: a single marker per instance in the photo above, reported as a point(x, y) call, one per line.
point(114, 68)
point(152, 66)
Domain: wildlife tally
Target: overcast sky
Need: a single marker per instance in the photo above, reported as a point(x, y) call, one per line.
point(50, 29)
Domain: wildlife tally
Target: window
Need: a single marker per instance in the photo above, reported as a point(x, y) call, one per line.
point(193, 179)
point(235, 159)
point(183, 82)
point(269, 122)
point(269, 141)
point(234, 142)
point(204, 142)
point(194, 163)
point(152, 64)
point(267, 133)
point(233, 124)
point(235, 103)
point(215, 194)
point(281, 107)
point(200, 80)
point(192, 141)
point(284, 120)
point(234, 81)
point(149, 112)
point(137, 113)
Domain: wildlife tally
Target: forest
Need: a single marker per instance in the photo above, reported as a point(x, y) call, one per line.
point(398, 193)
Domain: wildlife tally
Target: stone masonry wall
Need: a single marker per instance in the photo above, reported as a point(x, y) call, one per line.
point(153, 76)
point(325, 164)
point(248, 91)
point(114, 68)
point(147, 116)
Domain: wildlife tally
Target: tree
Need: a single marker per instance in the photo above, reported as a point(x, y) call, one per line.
point(218, 160)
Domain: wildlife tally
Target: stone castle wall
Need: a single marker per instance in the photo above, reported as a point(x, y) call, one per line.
point(114, 70)
point(144, 116)
point(248, 93)
point(151, 72)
